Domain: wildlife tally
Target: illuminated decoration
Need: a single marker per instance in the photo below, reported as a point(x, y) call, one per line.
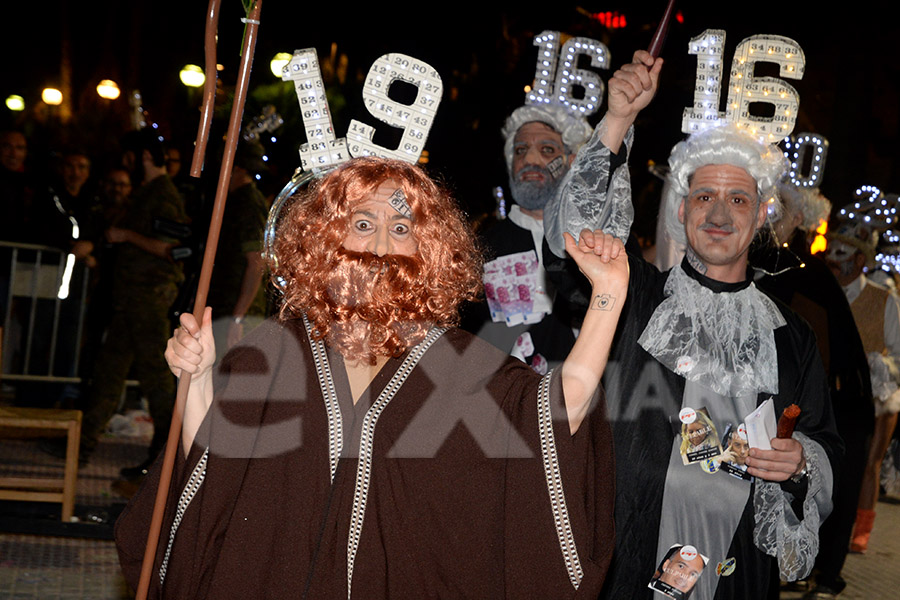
point(891, 235)
point(820, 243)
point(279, 62)
point(877, 213)
point(108, 89)
point(567, 76)
point(797, 149)
point(611, 19)
point(708, 47)
point(52, 96)
point(545, 69)
point(138, 115)
point(268, 120)
point(888, 259)
point(501, 202)
point(556, 76)
point(192, 76)
point(744, 89)
point(15, 103)
point(414, 119)
point(322, 148)
point(871, 208)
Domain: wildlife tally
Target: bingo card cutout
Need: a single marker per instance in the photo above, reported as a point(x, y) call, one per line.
point(324, 149)
point(744, 89)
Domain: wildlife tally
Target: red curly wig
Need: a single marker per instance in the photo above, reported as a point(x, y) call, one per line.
point(362, 305)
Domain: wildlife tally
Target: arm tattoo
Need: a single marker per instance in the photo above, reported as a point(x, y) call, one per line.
point(603, 302)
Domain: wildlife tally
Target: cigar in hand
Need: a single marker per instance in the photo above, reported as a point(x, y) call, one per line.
point(787, 421)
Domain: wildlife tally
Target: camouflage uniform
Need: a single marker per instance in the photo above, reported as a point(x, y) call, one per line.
point(242, 231)
point(245, 217)
point(144, 287)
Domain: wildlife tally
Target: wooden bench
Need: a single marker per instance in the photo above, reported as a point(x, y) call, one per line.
point(42, 489)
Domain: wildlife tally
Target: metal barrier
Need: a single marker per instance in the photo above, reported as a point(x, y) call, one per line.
point(44, 295)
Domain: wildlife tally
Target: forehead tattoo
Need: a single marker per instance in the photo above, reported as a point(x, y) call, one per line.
point(398, 202)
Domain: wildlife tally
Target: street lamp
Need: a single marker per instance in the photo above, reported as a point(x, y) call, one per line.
point(192, 76)
point(278, 62)
point(52, 96)
point(108, 89)
point(15, 103)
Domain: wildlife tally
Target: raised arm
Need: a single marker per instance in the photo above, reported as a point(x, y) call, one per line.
point(596, 192)
point(631, 89)
point(602, 259)
point(192, 350)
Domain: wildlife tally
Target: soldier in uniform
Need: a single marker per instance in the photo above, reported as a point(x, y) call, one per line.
point(146, 280)
point(236, 293)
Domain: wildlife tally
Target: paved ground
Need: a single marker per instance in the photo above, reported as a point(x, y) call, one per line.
point(874, 575)
point(47, 568)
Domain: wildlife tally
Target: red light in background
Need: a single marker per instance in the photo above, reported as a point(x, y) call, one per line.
point(679, 16)
point(611, 19)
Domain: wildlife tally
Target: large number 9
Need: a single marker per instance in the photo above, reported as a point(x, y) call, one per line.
point(414, 119)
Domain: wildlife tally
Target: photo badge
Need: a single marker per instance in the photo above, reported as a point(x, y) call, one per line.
point(678, 572)
point(699, 439)
point(734, 459)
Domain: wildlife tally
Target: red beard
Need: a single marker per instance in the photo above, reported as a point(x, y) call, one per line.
point(376, 306)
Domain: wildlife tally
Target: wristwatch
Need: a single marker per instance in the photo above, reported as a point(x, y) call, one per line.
point(800, 475)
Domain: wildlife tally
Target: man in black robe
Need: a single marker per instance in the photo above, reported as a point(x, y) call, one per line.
point(359, 446)
point(540, 142)
point(802, 280)
point(702, 338)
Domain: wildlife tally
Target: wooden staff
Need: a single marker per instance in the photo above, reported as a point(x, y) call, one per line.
point(659, 37)
point(212, 240)
point(209, 89)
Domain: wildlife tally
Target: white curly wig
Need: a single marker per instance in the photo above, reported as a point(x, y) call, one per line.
point(721, 145)
point(574, 131)
point(808, 202)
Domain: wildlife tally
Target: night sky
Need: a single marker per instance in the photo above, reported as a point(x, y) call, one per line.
point(485, 56)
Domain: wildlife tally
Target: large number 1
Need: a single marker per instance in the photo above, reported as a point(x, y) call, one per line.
point(322, 149)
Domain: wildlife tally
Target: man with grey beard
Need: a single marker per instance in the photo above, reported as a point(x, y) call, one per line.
point(540, 143)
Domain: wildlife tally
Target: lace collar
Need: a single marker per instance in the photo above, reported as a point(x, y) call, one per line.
point(719, 335)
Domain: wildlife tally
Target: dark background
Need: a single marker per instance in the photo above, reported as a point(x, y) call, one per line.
point(484, 55)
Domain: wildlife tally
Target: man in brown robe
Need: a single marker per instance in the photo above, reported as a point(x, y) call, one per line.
point(359, 446)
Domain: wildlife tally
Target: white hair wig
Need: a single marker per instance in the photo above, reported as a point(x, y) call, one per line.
point(574, 130)
point(808, 202)
point(722, 145)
